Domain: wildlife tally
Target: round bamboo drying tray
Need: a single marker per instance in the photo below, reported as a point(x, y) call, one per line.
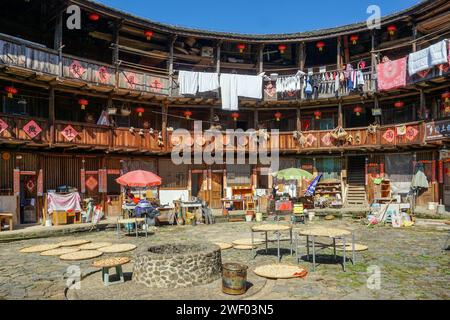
point(248, 242)
point(279, 271)
point(324, 232)
point(348, 247)
point(118, 248)
point(73, 243)
point(271, 227)
point(243, 247)
point(81, 255)
point(110, 262)
point(95, 245)
point(40, 248)
point(224, 245)
point(59, 251)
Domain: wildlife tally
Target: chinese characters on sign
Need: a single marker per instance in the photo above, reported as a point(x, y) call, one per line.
point(32, 129)
point(76, 69)
point(69, 133)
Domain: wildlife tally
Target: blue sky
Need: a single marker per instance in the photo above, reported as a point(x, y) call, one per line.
point(262, 16)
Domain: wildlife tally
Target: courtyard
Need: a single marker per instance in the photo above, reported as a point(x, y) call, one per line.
point(411, 262)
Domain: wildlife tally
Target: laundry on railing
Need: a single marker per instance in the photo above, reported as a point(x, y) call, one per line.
point(392, 74)
point(427, 58)
point(236, 85)
point(193, 82)
point(289, 84)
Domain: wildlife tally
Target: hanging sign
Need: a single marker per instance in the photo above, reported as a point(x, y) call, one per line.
point(441, 171)
point(16, 187)
point(76, 69)
point(69, 133)
point(91, 183)
point(389, 135)
point(156, 85)
point(32, 129)
point(411, 133)
point(103, 75)
point(130, 79)
point(3, 126)
point(30, 185)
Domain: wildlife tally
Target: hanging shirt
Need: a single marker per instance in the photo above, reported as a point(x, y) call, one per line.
point(188, 82)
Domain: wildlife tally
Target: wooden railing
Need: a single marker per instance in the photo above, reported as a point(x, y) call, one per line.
point(83, 134)
point(21, 129)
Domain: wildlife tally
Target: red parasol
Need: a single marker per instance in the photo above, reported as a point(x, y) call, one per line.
point(139, 178)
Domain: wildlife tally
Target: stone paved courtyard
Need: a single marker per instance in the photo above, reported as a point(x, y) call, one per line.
point(411, 262)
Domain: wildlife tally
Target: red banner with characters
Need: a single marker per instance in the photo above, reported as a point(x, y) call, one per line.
point(83, 180)
point(16, 187)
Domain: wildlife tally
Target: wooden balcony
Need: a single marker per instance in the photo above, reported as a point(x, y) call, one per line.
point(24, 131)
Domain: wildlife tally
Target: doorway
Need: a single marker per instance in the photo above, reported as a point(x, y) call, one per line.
point(28, 199)
point(216, 189)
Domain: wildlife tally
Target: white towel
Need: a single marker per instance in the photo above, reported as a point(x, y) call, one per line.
point(208, 81)
point(427, 58)
point(249, 86)
point(229, 94)
point(188, 82)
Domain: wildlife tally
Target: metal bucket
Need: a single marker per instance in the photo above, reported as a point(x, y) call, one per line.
point(234, 278)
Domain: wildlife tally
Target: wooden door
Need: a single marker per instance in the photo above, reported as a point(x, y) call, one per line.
point(216, 190)
point(203, 183)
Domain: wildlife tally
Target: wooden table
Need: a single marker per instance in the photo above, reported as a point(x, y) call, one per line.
point(7, 217)
point(332, 233)
point(266, 228)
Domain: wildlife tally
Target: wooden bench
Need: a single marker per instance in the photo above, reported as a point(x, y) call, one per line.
point(4, 216)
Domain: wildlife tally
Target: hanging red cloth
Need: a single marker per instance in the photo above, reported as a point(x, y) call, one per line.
point(392, 74)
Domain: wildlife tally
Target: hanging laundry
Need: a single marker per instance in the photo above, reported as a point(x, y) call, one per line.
point(427, 58)
point(288, 84)
point(208, 81)
point(392, 74)
point(235, 85)
point(188, 82)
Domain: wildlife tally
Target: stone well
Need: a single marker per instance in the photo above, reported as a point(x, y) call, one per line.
point(178, 265)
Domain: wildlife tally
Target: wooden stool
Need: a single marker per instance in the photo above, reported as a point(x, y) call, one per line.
point(8, 217)
point(109, 263)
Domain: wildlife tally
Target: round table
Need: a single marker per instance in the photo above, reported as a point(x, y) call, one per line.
point(266, 228)
point(332, 233)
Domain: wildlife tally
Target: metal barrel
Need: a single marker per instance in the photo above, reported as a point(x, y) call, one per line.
point(234, 278)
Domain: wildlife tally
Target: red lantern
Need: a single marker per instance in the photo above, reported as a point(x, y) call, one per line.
point(83, 103)
point(94, 17)
point(11, 91)
point(140, 111)
point(278, 116)
point(188, 114)
point(354, 39)
point(446, 97)
point(282, 48)
point(317, 115)
point(241, 47)
point(320, 45)
point(358, 110)
point(148, 34)
point(392, 29)
point(235, 116)
point(399, 104)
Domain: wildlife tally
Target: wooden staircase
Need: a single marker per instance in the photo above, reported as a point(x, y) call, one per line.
point(356, 192)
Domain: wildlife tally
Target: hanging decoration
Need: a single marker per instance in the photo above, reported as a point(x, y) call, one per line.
point(94, 17)
point(140, 111)
point(32, 129)
point(187, 115)
point(320, 45)
point(282, 48)
point(83, 103)
point(358, 110)
point(317, 115)
point(148, 34)
point(241, 47)
point(11, 91)
point(399, 104)
point(354, 39)
point(278, 116)
point(392, 29)
point(235, 116)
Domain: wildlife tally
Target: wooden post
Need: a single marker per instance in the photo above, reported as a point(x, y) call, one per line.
point(58, 32)
point(165, 111)
point(339, 53)
point(377, 106)
point(340, 115)
point(171, 71)
point(218, 55)
point(373, 61)
point(51, 114)
point(414, 35)
point(115, 52)
point(301, 55)
point(261, 58)
point(299, 120)
point(346, 50)
point(255, 119)
point(211, 116)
